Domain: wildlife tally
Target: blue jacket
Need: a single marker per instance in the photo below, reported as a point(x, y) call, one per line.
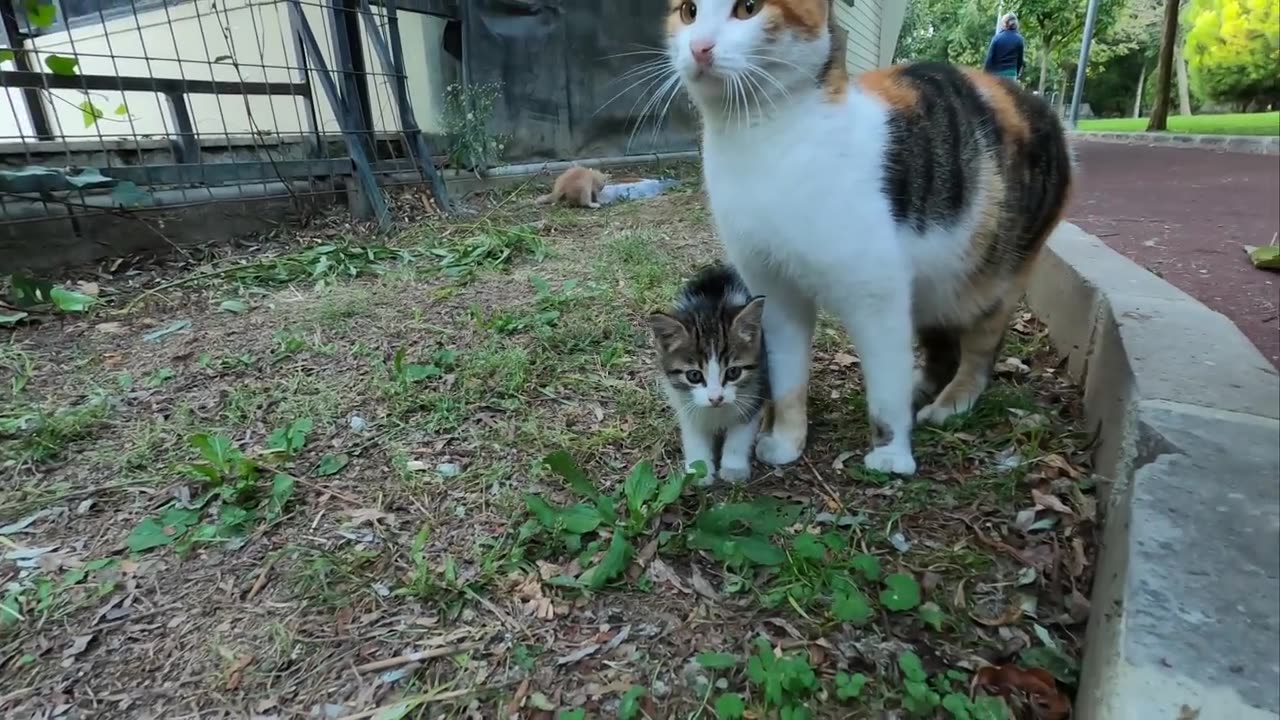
point(1005, 52)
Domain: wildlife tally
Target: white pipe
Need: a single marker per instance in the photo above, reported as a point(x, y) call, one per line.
point(560, 166)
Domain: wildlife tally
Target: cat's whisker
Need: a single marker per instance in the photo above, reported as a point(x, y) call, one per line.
point(769, 77)
point(770, 58)
point(652, 78)
point(643, 68)
point(662, 116)
point(753, 86)
point(631, 54)
point(670, 86)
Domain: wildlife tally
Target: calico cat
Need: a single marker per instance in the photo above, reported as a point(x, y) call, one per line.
point(908, 199)
point(577, 186)
point(712, 368)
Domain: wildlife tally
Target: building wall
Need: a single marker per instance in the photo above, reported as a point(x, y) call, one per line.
point(873, 27)
point(182, 41)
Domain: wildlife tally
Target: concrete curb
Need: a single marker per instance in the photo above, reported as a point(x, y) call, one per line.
point(1186, 599)
point(1250, 144)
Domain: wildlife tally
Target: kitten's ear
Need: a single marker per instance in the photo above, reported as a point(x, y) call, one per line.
point(669, 332)
point(749, 321)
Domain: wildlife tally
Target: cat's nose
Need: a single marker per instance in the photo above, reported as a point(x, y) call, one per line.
point(715, 400)
point(701, 50)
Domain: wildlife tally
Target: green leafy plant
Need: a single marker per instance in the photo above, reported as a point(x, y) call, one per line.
point(629, 706)
point(28, 295)
point(404, 372)
point(901, 593)
point(619, 517)
point(730, 706)
point(492, 249)
point(468, 112)
point(918, 699)
point(849, 687)
point(786, 682)
point(739, 534)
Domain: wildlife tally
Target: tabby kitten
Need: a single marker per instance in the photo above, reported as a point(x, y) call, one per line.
point(711, 362)
point(908, 199)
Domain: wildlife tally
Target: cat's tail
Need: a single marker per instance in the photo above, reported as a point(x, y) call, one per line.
point(547, 199)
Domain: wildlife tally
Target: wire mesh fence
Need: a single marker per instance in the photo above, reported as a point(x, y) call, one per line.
point(119, 106)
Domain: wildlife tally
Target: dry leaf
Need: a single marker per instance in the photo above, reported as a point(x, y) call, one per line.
point(79, 644)
point(368, 515)
point(1050, 502)
point(1037, 684)
point(1010, 616)
point(1078, 559)
point(660, 572)
point(237, 671)
point(838, 463)
point(582, 652)
point(845, 359)
point(702, 587)
point(1059, 462)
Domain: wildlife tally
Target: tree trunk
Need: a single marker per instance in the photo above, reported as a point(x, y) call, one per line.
point(1160, 110)
point(1184, 89)
point(1044, 67)
point(1142, 84)
point(1062, 95)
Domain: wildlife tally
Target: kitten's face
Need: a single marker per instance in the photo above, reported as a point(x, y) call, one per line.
point(720, 46)
point(715, 361)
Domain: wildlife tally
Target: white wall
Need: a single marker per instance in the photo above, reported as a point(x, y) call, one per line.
point(183, 40)
point(862, 22)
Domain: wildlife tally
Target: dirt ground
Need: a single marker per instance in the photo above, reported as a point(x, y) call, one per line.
point(306, 476)
point(1186, 214)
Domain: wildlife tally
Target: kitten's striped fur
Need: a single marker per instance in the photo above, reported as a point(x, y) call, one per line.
point(712, 366)
point(911, 199)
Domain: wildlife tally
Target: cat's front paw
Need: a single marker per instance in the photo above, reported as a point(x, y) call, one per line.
point(943, 409)
point(890, 459)
point(777, 450)
point(735, 474)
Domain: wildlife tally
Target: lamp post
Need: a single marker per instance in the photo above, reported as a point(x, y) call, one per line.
point(1078, 91)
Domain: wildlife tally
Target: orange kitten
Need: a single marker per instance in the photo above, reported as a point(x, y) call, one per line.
point(577, 186)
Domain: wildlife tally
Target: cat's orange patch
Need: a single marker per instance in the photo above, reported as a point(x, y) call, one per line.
point(1003, 104)
point(892, 89)
point(806, 17)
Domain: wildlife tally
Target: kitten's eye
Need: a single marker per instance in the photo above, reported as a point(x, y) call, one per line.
point(732, 374)
point(688, 12)
point(744, 9)
point(693, 376)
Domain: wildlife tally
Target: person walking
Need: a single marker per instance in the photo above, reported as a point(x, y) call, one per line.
point(1004, 56)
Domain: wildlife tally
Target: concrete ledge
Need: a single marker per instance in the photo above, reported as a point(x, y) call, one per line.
point(1186, 600)
point(1251, 144)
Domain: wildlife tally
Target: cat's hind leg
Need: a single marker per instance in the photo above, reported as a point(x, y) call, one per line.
point(940, 348)
point(978, 345)
point(586, 198)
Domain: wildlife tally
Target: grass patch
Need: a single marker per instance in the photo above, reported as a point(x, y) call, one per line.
point(1265, 124)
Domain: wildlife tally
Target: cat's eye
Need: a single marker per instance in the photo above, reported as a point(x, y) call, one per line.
point(744, 9)
point(693, 376)
point(688, 11)
point(733, 373)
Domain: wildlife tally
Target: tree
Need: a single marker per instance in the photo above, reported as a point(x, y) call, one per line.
point(1055, 26)
point(1233, 49)
point(948, 31)
point(1160, 111)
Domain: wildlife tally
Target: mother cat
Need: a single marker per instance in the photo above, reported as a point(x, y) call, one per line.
point(912, 198)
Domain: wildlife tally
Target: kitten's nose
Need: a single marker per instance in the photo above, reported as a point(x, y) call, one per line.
point(701, 50)
point(715, 400)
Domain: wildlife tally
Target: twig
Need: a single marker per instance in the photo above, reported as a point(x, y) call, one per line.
point(261, 582)
point(27, 504)
point(188, 279)
point(510, 621)
point(416, 701)
point(417, 657)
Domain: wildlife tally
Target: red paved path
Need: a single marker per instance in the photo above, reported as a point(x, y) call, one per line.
point(1185, 213)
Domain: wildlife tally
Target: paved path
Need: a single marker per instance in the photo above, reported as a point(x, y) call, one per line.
point(1185, 214)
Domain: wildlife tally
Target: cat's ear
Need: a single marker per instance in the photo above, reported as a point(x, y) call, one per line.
point(749, 322)
point(669, 332)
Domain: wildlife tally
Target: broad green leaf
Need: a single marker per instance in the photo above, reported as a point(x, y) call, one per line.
point(122, 109)
point(70, 301)
point(808, 547)
point(90, 113)
point(215, 449)
point(11, 317)
point(671, 489)
point(1266, 257)
point(547, 516)
point(41, 13)
point(562, 464)
point(416, 373)
point(851, 606)
point(794, 712)
point(629, 707)
point(580, 518)
point(932, 615)
point(730, 706)
point(615, 560)
point(282, 487)
point(6, 55)
point(640, 486)
point(331, 465)
point(989, 708)
point(849, 686)
point(957, 705)
point(150, 534)
point(760, 551)
point(235, 307)
point(290, 438)
point(912, 668)
point(575, 714)
point(62, 65)
point(868, 566)
point(716, 661)
point(901, 593)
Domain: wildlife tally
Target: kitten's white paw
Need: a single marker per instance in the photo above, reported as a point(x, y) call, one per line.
point(777, 451)
point(890, 459)
point(941, 410)
point(735, 473)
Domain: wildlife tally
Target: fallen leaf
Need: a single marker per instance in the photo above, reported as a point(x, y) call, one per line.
point(237, 671)
point(701, 586)
point(845, 359)
point(1078, 558)
point(660, 572)
point(1025, 519)
point(89, 288)
point(838, 463)
point(23, 524)
point(1011, 615)
point(1038, 684)
point(1059, 462)
point(619, 638)
point(79, 644)
point(1050, 502)
point(579, 654)
point(171, 328)
point(368, 515)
